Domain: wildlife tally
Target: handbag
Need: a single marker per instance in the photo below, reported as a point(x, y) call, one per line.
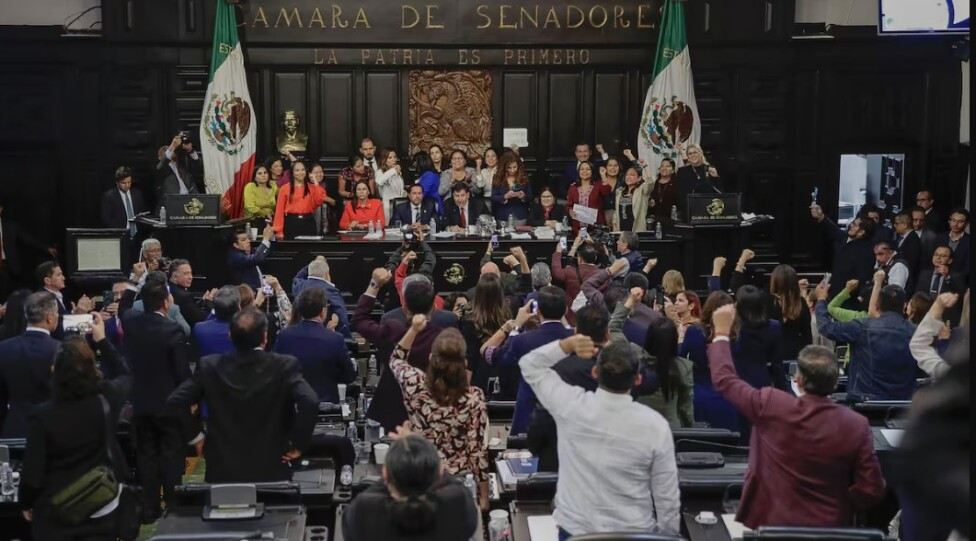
point(91, 491)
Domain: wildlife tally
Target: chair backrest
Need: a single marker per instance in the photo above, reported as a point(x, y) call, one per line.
point(540, 486)
point(798, 533)
point(626, 536)
point(394, 202)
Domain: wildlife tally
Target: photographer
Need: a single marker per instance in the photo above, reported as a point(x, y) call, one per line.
point(413, 241)
point(176, 164)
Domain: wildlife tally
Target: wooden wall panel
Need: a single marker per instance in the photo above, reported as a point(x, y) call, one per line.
point(383, 113)
point(611, 108)
point(565, 107)
point(336, 129)
point(520, 107)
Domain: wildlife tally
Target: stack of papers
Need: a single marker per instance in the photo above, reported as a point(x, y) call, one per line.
point(443, 235)
point(521, 236)
point(545, 233)
point(374, 236)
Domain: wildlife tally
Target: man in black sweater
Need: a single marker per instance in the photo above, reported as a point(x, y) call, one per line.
point(853, 253)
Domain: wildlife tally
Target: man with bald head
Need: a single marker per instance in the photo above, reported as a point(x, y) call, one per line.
point(317, 274)
point(516, 287)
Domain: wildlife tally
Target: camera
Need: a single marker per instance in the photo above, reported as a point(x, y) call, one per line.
point(184, 137)
point(602, 236)
point(410, 241)
point(164, 263)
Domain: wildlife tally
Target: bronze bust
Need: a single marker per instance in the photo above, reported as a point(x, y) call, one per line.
point(289, 138)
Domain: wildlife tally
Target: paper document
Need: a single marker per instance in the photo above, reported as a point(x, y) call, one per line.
point(521, 236)
point(443, 235)
point(893, 435)
point(736, 529)
point(515, 136)
point(585, 215)
point(376, 235)
point(543, 528)
point(308, 237)
point(545, 233)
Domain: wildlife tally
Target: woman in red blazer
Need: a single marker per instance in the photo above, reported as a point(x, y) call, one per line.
point(362, 210)
point(587, 191)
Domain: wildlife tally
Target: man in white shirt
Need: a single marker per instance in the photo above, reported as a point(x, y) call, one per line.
point(616, 456)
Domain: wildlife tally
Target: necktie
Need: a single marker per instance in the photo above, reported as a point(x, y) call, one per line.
point(129, 214)
point(416, 215)
point(464, 221)
point(936, 284)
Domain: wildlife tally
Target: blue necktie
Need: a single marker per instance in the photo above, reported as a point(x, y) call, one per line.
point(129, 214)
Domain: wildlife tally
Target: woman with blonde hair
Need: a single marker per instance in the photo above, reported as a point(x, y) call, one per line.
point(696, 176)
point(673, 282)
point(442, 405)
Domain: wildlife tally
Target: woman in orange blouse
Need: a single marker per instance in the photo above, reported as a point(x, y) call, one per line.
point(297, 202)
point(362, 210)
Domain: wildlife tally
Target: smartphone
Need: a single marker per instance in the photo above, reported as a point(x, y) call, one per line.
point(826, 278)
point(562, 244)
point(108, 297)
point(533, 306)
point(582, 233)
point(494, 241)
point(660, 298)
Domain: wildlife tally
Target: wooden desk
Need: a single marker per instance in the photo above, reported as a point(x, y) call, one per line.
point(285, 522)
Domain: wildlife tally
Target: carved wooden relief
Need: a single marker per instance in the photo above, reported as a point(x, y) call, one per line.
point(451, 109)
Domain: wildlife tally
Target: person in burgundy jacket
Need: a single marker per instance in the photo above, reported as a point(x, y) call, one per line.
point(811, 461)
point(571, 277)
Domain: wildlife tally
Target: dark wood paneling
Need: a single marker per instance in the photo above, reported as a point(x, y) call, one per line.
point(565, 127)
point(291, 93)
point(336, 129)
point(520, 107)
point(383, 114)
point(611, 107)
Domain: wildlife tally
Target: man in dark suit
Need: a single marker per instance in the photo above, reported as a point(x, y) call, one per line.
point(321, 352)
point(242, 264)
point(317, 274)
point(25, 365)
point(571, 173)
point(853, 253)
point(387, 406)
point(261, 411)
point(907, 243)
point(180, 280)
point(212, 335)
point(51, 278)
point(441, 318)
point(416, 210)
point(958, 240)
point(940, 279)
point(158, 358)
point(12, 239)
point(933, 220)
point(814, 464)
point(550, 309)
point(882, 233)
point(174, 169)
point(462, 211)
point(110, 308)
point(571, 276)
point(122, 203)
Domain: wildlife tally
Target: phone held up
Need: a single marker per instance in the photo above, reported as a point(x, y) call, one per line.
point(494, 241)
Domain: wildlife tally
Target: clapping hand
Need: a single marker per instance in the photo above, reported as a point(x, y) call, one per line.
point(83, 306)
point(209, 295)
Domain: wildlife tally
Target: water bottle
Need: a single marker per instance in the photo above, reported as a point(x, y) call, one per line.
point(372, 228)
point(162, 215)
point(351, 432)
point(345, 477)
point(433, 226)
point(674, 212)
point(511, 223)
point(372, 366)
point(6, 479)
point(565, 223)
point(658, 234)
point(472, 486)
point(361, 407)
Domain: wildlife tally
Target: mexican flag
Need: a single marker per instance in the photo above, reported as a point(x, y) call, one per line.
point(670, 120)
point(227, 127)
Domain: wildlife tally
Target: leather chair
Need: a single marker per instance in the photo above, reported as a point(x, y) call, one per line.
point(626, 536)
point(501, 410)
point(393, 204)
point(798, 533)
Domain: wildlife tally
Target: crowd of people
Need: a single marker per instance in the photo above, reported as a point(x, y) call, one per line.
point(602, 359)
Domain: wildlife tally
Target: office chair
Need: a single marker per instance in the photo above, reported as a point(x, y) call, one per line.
point(798, 533)
point(626, 536)
point(540, 486)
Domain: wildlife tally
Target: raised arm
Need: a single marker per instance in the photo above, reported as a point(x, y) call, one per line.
point(715, 280)
point(745, 398)
point(412, 380)
point(922, 343)
point(553, 393)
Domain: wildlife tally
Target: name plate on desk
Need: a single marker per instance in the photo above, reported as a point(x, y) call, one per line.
point(714, 208)
point(196, 209)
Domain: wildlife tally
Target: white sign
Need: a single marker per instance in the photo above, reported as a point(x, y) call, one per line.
point(584, 215)
point(515, 136)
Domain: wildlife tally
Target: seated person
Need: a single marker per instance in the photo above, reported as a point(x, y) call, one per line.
point(812, 461)
point(416, 500)
point(250, 391)
point(362, 210)
point(415, 210)
point(461, 211)
point(321, 352)
point(546, 212)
